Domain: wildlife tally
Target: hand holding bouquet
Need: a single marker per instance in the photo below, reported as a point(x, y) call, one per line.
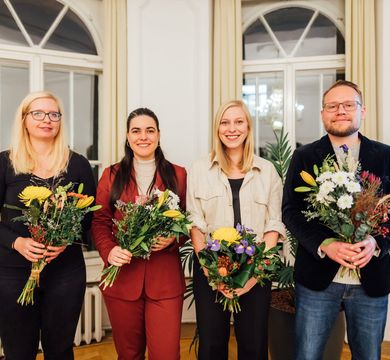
point(232, 257)
point(143, 223)
point(53, 219)
point(346, 200)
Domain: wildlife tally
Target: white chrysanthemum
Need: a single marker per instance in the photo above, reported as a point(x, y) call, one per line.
point(324, 198)
point(340, 177)
point(173, 201)
point(326, 187)
point(345, 202)
point(157, 192)
point(327, 175)
point(321, 198)
point(353, 187)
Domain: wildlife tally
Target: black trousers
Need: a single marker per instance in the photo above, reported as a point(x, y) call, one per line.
point(250, 325)
point(52, 319)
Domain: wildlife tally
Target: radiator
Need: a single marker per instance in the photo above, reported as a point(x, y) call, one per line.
point(89, 326)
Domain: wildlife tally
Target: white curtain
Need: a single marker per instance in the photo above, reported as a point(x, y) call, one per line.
point(114, 78)
point(227, 52)
point(361, 58)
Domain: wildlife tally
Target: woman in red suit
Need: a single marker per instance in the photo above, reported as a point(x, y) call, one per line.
point(145, 302)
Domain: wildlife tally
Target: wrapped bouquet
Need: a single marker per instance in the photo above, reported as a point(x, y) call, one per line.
point(232, 257)
point(347, 200)
point(142, 223)
point(53, 218)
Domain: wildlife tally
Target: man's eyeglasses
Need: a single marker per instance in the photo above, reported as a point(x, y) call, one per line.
point(347, 105)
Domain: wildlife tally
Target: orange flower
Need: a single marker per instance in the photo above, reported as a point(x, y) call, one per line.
point(222, 271)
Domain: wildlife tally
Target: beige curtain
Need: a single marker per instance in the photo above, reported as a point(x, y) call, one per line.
point(114, 79)
point(227, 52)
point(360, 57)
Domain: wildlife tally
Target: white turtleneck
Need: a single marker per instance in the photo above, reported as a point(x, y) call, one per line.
point(144, 172)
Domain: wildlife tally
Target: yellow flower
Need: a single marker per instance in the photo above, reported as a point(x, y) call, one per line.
point(229, 234)
point(173, 214)
point(307, 178)
point(162, 198)
point(31, 193)
point(83, 203)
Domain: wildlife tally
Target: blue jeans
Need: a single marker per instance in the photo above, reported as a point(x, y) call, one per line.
point(316, 312)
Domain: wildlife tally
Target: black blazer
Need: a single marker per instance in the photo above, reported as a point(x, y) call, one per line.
point(311, 270)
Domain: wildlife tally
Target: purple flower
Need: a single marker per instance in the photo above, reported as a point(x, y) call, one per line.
point(344, 148)
point(216, 246)
point(239, 249)
point(250, 250)
point(240, 228)
point(212, 245)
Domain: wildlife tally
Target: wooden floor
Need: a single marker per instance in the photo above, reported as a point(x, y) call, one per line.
point(105, 350)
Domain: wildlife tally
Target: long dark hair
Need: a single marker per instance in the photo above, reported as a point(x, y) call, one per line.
point(125, 174)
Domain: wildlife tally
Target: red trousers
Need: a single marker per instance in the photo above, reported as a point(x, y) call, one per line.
point(145, 322)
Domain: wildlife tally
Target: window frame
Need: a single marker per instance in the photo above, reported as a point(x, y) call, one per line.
point(39, 59)
point(290, 65)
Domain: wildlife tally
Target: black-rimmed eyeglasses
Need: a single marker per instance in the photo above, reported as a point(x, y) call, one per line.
point(347, 105)
point(39, 115)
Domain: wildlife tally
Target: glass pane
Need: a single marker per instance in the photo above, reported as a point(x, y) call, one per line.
point(82, 123)
point(323, 38)
point(14, 86)
point(72, 35)
point(310, 86)
point(86, 115)
point(263, 94)
point(9, 31)
point(258, 44)
point(58, 82)
point(37, 17)
point(288, 25)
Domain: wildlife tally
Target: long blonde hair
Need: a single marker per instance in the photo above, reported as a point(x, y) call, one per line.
point(218, 151)
point(22, 155)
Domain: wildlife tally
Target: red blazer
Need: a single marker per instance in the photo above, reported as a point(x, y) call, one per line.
point(160, 277)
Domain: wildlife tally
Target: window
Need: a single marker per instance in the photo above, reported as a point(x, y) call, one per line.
point(48, 46)
point(291, 55)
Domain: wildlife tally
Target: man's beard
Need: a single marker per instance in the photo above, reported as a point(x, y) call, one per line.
point(351, 129)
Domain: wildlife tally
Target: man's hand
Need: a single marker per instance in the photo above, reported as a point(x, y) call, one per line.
point(365, 250)
point(341, 252)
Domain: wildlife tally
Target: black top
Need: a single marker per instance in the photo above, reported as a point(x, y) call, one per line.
point(78, 171)
point(235, 185)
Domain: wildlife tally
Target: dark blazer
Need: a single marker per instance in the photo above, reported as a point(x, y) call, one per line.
point(310, 269)
point(160, 277)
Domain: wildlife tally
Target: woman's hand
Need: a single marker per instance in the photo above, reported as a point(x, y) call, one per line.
point(162, 243)
point(239, 291)
point(52, 252)
point(30, 249)
point(119, 256)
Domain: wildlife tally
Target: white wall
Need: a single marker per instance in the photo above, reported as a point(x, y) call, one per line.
point(169, 71)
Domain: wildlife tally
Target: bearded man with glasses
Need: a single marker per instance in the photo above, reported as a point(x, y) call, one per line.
point(321, 286)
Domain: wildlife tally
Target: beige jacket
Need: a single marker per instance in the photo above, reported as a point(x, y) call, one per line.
point(210, 203)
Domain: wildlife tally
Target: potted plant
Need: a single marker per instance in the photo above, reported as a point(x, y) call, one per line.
point(282, 311)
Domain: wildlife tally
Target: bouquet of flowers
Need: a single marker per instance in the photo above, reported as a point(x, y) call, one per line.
point(53, 218)
point(346, 200)
point(141, 225)
point(232, 257)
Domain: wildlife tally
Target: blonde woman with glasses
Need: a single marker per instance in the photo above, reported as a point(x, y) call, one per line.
point(228, 187)
point(39, 155)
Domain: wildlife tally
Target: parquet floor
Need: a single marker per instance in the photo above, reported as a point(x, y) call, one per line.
point(105, 350)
